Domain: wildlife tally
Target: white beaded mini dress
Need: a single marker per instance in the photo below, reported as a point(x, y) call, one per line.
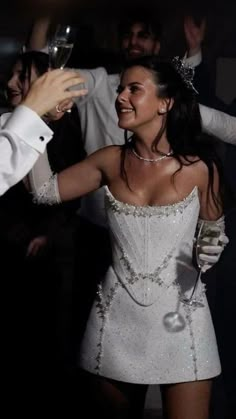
point(125, 337)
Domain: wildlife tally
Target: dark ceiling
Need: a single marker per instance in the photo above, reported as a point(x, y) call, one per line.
point(17, 16)
point(80, 8)
point(100, 17)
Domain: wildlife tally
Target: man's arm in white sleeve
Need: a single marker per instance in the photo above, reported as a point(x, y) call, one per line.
point(24, 136)
point(194, 60)
point(22, 139)
point(219, 124)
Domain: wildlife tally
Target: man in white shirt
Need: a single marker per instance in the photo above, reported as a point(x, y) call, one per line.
point(24, 136)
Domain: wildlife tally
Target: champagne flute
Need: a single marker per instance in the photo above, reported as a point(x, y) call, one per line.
point(206, 235)
point(60, 49)
point(61, 45)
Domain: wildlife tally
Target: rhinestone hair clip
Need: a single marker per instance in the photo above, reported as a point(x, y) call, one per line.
point(185, 71)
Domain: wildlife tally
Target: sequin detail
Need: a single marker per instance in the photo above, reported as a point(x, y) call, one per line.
point(48, 193)
point(103, 308)
point(153, 277)
point(148, 210)
point(126, 340)
point(193, 352)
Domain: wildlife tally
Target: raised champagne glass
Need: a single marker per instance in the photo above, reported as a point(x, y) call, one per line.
point(206, 235)
point(61, 45)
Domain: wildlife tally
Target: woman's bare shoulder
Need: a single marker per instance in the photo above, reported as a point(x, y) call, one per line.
point(105, 154)
point(197, 171)
point(106, 159)
point(195, 165)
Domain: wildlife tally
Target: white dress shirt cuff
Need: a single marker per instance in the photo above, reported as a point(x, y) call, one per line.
point(29, 127)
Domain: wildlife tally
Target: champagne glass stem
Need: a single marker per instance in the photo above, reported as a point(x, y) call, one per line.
point(188, 300)
point(195, 286)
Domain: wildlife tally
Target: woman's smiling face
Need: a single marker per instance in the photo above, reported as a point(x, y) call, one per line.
point(19, 83)
point(137, 103)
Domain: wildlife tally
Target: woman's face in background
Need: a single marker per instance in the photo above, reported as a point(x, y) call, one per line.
point(19, 84)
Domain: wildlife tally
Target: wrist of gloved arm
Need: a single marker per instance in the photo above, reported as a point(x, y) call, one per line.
point(212, 243)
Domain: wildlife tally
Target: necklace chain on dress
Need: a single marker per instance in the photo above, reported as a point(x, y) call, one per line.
point(152, 160)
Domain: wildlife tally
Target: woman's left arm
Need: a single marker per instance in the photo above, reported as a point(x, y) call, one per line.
point(211, 216)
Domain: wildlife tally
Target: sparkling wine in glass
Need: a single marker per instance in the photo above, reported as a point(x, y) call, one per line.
point(61, 45)
point(207, 235)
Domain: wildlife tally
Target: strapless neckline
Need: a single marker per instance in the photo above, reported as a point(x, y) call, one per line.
point(185, 200)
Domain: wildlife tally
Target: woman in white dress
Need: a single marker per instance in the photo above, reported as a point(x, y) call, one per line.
point(157, 185)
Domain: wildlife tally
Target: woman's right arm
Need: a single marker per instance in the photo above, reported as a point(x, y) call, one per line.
point(71, 183)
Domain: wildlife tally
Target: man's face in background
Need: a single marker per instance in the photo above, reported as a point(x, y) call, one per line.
point(139, 41)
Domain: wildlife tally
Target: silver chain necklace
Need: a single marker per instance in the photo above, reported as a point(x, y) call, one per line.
point(164, 156)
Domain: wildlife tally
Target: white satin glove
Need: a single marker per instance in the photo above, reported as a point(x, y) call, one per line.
point(210, 253)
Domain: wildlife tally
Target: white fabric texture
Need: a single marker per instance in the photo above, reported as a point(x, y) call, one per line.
point(23, 137)
point(194, 60)
point(125, 338)
point(219, 124)
point(48, 193)
point(43, 182)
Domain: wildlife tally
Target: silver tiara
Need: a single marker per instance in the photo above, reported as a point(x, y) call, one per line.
point(185, 71)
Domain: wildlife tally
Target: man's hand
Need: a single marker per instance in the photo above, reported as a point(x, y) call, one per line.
point(59, 111)
point(51, 89)
point(194, 34)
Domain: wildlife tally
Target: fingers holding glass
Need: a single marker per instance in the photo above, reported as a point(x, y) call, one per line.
point(51, 89)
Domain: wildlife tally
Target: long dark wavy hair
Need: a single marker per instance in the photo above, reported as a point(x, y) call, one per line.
point(182, 123)
point(37, 59)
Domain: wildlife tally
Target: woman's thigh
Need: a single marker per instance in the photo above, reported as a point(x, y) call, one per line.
point(115, 399)
point(186, 400)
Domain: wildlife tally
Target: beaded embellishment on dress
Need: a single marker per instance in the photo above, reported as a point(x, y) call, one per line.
point(125, 337)
point(48, 193)
point(148, 210)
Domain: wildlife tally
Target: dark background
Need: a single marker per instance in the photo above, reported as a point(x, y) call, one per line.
point(97, 22)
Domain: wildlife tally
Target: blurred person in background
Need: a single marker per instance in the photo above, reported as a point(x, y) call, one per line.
point(38, 242)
